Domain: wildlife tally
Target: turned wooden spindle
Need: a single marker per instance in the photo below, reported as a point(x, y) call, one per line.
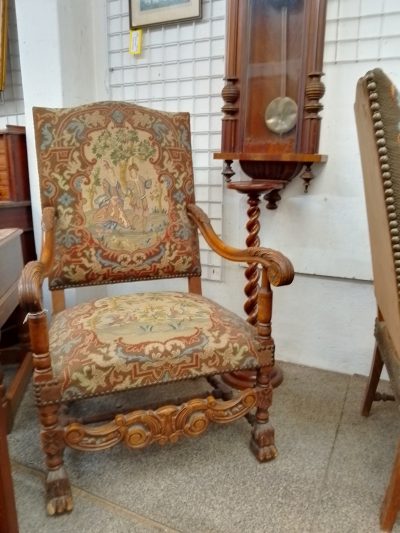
point(253, 189)
point(252, 272)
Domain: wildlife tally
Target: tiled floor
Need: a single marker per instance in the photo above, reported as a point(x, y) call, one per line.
point(330, 475)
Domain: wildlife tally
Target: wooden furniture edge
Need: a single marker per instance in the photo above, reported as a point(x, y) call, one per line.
point(288, 157)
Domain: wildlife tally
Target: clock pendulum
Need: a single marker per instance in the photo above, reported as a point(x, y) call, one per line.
point(281, 113)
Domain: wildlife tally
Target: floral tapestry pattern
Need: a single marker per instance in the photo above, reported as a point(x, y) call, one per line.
point(123, 342)
point(120, 177)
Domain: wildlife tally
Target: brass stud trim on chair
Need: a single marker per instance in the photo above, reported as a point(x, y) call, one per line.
point(385, 171)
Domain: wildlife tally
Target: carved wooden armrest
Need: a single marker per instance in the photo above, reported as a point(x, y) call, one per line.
point(278, 267)
point(34, 272)
point(30, 287)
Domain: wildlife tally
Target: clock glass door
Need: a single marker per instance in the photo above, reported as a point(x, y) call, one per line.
point(273, 92)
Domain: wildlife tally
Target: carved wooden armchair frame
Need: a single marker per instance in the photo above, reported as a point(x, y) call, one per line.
point(143, 426)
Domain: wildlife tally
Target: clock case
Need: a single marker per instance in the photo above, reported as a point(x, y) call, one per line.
point(258, 56)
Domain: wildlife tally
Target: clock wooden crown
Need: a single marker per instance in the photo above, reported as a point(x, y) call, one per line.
point(274, 54)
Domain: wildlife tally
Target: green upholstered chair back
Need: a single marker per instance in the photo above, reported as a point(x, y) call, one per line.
point(377, 110)
point(120, 177)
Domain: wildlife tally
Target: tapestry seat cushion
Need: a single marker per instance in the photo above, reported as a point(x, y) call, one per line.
point(124, 342)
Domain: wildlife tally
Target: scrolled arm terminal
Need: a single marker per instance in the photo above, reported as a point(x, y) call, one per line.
point(34, 272)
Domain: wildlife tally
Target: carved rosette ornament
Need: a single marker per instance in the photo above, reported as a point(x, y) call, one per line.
point(386, 173)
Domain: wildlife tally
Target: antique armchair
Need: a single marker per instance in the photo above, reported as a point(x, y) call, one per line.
point(377, 110)
point(117, 195)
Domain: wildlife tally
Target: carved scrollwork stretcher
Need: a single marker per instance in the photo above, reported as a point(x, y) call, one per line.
point(164, 425)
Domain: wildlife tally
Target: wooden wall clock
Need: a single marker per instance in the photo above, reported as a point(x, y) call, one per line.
point(271, 121)
point(273, 88)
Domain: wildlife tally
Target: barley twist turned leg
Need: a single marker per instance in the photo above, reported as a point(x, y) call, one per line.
point(252, 272)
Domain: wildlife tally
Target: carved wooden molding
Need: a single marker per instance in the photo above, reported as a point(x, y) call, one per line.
point(164, 425)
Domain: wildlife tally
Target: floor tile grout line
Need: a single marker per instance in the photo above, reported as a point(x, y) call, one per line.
point(132, 516)
point(325, 476)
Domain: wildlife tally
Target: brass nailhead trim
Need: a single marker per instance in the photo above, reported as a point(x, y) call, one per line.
point(385, 173)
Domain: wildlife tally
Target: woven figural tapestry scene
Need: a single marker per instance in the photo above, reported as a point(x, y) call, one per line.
point(118, 204)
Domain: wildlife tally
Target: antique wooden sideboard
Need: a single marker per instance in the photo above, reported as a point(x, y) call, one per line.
point(10, 267)
point(15, 205)
point(15, 212)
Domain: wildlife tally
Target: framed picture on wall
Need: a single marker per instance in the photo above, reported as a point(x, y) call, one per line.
point(152, 12)
point(3, 42)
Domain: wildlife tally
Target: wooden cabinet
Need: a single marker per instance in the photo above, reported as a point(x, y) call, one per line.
point(15, 205)
point(10, 268)
point(15, 212)
point(14, 178)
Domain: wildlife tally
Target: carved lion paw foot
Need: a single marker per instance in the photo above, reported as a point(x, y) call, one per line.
point(262, 443)
point(58, 493)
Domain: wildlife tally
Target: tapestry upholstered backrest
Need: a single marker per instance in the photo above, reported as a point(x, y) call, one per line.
point(377, 111)
point(120, 177)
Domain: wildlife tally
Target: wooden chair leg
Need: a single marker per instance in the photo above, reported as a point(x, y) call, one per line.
point(262, 441)
point(391, 502)
point(58, 489)
point(47, 394)
point(373, 380)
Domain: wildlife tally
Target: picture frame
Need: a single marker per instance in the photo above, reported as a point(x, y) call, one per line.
point(144, 13)
point(3, 42)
